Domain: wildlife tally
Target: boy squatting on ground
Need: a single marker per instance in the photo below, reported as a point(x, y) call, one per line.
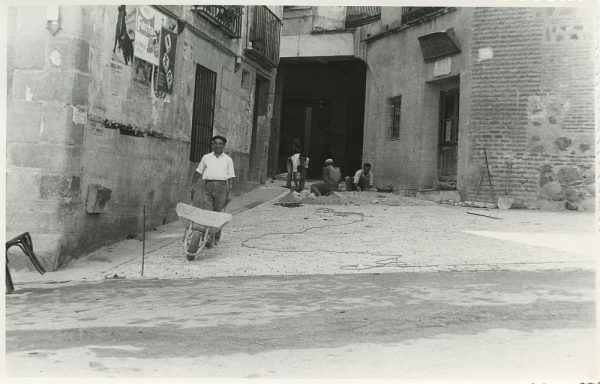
point(362, 181)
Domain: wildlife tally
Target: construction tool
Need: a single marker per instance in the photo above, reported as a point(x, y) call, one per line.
point(485, 171)
point(210, 222)
point(487, 166)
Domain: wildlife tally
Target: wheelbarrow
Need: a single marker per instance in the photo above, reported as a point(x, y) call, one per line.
point(200, 227)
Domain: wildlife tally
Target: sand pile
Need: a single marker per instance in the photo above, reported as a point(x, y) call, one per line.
point(334, 198)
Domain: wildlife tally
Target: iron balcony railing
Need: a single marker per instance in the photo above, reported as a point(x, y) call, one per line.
point(413, 13)
point(357, 16)
point(227, 17)
point(265, 29)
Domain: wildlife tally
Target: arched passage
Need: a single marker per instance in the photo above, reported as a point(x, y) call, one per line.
point(322, 104)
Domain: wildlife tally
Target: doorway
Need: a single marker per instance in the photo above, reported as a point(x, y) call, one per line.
point(448, 135)
point(308, 121)
point(323, 106)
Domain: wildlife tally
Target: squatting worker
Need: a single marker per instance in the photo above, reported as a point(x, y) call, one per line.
point(362, 180)
point(331, 180)
point(216, 170)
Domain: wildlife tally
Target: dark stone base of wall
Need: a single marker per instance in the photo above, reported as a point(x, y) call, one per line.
point(94, 231)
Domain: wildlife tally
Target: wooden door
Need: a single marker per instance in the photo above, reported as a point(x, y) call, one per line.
point(448, 137)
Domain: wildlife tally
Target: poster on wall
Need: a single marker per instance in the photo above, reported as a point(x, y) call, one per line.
point(147, 30)
point(142, 75)
point(115, 78)
point(166, 66)
point(124, 36)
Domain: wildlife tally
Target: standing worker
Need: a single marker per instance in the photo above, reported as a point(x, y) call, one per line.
point(299, 168)
point(292, 148)
point(216, 170)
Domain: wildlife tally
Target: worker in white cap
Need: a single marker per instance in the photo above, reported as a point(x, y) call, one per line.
point(331, 180)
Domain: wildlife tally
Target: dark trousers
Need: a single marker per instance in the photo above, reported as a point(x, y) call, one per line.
point(363, 183)
point(301, 177)
point(214, 198)
point(289, 166)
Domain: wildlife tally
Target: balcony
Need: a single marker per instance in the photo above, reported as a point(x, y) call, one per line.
point(226, 17)
point(263, 37)
point(357, 16)
point(410, 14)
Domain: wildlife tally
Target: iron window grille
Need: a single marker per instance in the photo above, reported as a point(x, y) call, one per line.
point(396, 107)
point(414, 13)
point(203, 112)
point(265, 30)
point(227, 17)
point(357, 16)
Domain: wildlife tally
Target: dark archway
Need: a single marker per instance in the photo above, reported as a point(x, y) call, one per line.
point(322, 104)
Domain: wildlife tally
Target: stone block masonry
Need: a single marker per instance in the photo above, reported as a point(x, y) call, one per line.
point(49, 80)
point(63, 86)
point(68, 88)
point(26, 115)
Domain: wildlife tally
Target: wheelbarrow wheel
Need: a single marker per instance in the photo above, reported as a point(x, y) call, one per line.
point(195, 239)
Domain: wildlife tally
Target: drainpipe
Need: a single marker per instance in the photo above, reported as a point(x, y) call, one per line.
point(241, 40)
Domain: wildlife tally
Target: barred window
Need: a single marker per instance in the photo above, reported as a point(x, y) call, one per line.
point(396, 106)
point(204, 112)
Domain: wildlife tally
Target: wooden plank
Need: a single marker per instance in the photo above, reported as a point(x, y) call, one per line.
point(202, 216)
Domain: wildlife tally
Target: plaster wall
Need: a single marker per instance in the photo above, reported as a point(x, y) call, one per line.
point(61, 89)
point(297, 21)
point(318, 45)
point(396, 68)
point(329, 18)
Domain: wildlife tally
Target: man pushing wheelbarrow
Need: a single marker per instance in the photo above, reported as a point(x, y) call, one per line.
point(217, 173)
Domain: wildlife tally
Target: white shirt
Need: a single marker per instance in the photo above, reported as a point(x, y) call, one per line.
point(212, 167)
point(296, 162)
point(359, 173)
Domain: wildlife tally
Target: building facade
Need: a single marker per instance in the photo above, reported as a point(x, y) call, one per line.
point(320, 89)
point(110, 109)
point(451, 93)
point(448, 87)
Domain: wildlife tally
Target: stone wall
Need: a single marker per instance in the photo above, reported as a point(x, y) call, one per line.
point(48, 79)
point(533, 103)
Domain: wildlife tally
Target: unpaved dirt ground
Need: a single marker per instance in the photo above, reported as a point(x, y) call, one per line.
point(377, 287)
point(441, 325)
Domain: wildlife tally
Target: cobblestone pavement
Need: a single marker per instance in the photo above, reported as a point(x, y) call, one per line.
point(402, 235)
point(416, 236)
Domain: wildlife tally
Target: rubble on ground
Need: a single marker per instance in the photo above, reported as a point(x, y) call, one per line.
point(352, 198)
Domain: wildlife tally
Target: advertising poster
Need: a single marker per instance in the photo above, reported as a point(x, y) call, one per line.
point(124, 36)
point(147, 29)
point(115, 78)
point(166, 72)
point(142, 75)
